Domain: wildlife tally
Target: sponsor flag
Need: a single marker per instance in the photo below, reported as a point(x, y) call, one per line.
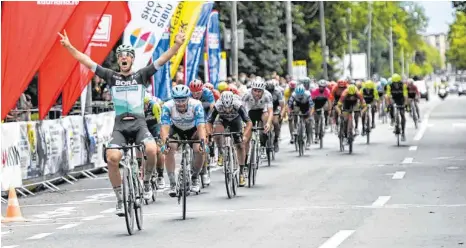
point(149, 19)
point(184, 19)
point(111, 26)
point(161, 80)
point(59, 64)
point(194, 50)
point(29, 30)
point(213, 49)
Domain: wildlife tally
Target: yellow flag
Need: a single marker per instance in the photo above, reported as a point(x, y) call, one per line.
point(184, 18)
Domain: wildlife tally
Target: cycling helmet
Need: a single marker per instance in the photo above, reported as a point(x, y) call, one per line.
point(305, 80)
point(209, 86)
point(383, 81)
point(196, 85)
point(258, 84)
point(270, 86)
point(227, 98)
point(180, 91)
point(352, 89)
point(410, 81)
point(389, 81)
point(396, 78)
point(341, 82)
point(369, 84)
point(222, 86)
point(300, 90)
point(292, 84)
point(322, 83)
point(125, 48)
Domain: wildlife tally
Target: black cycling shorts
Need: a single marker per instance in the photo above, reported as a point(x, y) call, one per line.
point(411, 95)
point(235, 125)
point(128, 131)
point(302, 107)
point(255, 115)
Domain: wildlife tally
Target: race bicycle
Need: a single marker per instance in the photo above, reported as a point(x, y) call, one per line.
point(253, 155)
point(230, 162)
point(132, 184)
point(367, 125)
point(346, 130)
point(320, 126)
point(397, 115)
point(300, 134)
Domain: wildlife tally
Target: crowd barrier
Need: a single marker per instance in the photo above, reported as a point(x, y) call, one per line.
point(36, 152)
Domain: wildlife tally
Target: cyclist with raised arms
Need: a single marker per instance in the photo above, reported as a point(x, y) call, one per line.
point(301, 101)
point(258, 103)
point(231, 113)
point(153, 111)
point(183, 119)
point(127, 88)
point(278, 109)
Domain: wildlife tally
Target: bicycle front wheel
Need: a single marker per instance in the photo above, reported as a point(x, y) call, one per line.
point(128, 200)
point(138, 189)
point(252, 161)
point(227, 172)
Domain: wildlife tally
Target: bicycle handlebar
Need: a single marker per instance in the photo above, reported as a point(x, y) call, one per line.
point(224, 134)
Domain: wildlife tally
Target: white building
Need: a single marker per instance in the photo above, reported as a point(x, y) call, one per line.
point(440, 42)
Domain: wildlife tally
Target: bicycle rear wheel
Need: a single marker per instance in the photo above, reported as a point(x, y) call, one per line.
point(368, 127)
point(184, 190)
point(234, 171)
point(350, 134)
point(321, 132)
point(128, 200)
point(256, 166)
point(300, 139)
point(414, 113)
point(138, 205)
point(269, 148)
point(252, 165)
point(397, 128)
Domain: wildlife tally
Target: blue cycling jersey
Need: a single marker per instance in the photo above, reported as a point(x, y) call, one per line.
point(192, 117)
point(207, 98)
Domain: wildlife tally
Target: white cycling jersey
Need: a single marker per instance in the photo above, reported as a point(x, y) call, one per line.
point(252, 104)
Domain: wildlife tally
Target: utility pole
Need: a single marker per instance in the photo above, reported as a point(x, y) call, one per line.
point(350, 41)
point(391, 48)
point(289, 38)
point(369, 39)
point(234, 39)
point(323, 38)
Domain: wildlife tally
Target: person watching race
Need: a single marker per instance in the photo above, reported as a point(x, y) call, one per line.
point(214, 91)
point(278, 110)
point(127, 88)
point(370, 94)
point(232, 114)
point(183, 119)
point(397, 92)
point(258, 103)
point(320, 97)
point(301, 102)
point(287, 94)
point(152, 111)
point(349, 103)
point(414, 95)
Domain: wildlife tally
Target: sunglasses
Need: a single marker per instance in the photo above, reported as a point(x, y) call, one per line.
point(180, 100)
point(125, 54)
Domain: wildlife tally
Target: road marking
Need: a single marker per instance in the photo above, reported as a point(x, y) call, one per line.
point(83, 190)
point(443, 158)
point(10, 246)
point(63, 211)
point(424, 125)
point(40, 235)
point(108, 211)
point(65, 203)
point(381, 201)
point(459, 124)
point(399, 175)
point(452, 168)
point(93, 217)
point(413, 148)
point(7, 232)
point(67, 226)
point(337, 239)
point(408, 161)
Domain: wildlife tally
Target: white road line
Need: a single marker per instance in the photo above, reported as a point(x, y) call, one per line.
point(408, 161)
point(108, 211)
point(10, 246)
point(40, 235)
point(93, 217)
point(459, 124)
point(399, 175)
point(424, 125)
point(337, 239)
point(413, 148)
point(381, 201)
point(83, 190)
point(67, 226)
point(7, 232)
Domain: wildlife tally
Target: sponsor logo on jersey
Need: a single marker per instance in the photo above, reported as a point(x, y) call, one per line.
point(125, 83)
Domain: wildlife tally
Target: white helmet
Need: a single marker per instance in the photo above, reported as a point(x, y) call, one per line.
point(226, 98)
point(258, 84)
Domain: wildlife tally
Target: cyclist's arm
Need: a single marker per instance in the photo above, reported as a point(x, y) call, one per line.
point(211, 120)
point(388, 93)
point(405, 93)
point(82, 58)
point(376, 94)
point(281, 102)
point(245, 117)
point(362, 103)
point(311, 105)
point(166, 123)
point(269, 106)
point(199, 121)
point(166, 56)
point(156, 111)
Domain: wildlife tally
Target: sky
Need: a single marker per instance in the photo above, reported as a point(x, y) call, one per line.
point(439, 14)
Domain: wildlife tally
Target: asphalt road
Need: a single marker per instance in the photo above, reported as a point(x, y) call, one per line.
point(380, 196)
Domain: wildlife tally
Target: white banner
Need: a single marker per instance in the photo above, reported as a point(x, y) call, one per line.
point(11, 159)
point(149, 19)
point(30, 166)
point(100, 129)
point(54, 147)
point(75, 141)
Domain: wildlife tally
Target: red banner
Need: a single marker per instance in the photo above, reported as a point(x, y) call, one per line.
point(111, 27)
point(29, 30)
point(59, 64)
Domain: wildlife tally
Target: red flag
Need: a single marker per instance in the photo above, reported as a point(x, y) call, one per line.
point(59, 64)
point(29, 30)
point(112, 25)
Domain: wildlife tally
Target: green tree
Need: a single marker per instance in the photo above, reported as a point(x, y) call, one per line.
point(456, 54)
